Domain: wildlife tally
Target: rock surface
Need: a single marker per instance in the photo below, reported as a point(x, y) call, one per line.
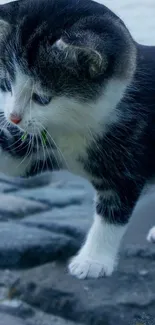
point(41, 226)
point(10, 320)
point(17, 207)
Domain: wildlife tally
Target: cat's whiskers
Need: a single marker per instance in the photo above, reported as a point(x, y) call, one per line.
point(29, 154)
point(44, 152)
point(31, 102)
point(30, 145)
point(28, 151)
point(26, 155)
point(62, 158)
point(53, 152)
point(60, 154)
point(46, 148)
point(5, 127)
point(57, 161)
point(13, 145)
point(37, 154)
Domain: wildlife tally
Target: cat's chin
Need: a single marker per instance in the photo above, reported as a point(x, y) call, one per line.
point(30, 130)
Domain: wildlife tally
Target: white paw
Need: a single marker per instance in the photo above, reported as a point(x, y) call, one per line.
point(151, 235)
point(85, 267)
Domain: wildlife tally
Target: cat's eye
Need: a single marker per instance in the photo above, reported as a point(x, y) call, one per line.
point(5, 85)
point(41, 100)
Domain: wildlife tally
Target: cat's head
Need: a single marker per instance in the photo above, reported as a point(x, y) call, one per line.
point(64, 78)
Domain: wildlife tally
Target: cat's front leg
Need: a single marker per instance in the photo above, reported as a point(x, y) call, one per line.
point(98, 256)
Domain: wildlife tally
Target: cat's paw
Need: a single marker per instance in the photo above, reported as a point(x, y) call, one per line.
point(151, 235)
point(83, 266)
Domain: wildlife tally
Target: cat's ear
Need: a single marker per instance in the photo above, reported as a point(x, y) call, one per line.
point(4, 29)
point(86, 57)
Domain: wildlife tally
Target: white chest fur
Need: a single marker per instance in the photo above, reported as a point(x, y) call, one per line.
point(69, 149)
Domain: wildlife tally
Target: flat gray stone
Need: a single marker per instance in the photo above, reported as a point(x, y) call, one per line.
point(30, 182)
point(41, 318)
point(64, 189)
point(56, 197)
point(127, 297)
point(5, 188)
point(30, 316)
point(10, 320)
point(70, 178)
point(22, 246)
point(12, 206)
point(72, 220)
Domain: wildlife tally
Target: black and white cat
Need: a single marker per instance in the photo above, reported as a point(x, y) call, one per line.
point(71, 67)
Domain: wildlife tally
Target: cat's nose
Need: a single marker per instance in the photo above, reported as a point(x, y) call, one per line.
point(15, 119)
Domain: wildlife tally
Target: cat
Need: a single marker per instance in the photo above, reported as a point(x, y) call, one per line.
point(69, 69)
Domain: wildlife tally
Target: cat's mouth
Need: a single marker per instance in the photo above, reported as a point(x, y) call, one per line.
point(29, 128)
point(43, 136)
